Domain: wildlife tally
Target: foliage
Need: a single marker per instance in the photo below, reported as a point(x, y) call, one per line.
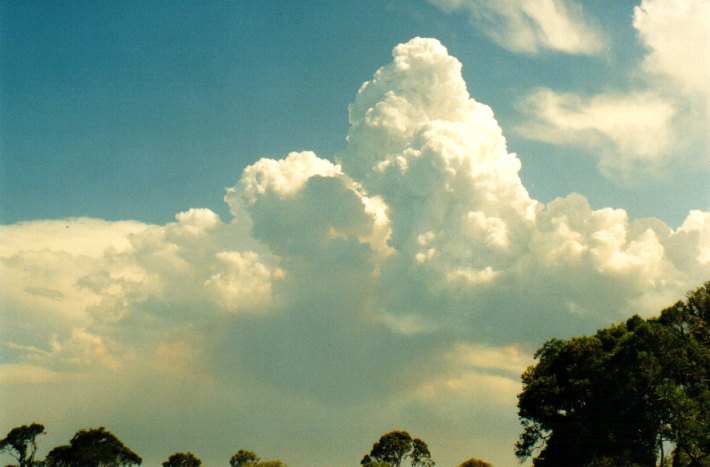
point(372, 463)
point(21, 443)
point(96, 447)
point(182, 459)
point(249, 458)
point(613, 398)
point(420, 455)
point(393, 447)
point(243, 457)
point(473, 462)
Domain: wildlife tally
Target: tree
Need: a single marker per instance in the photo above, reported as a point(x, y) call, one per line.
point(93, 448)
point(371, 463)
point(420, 455)
point(473, 462)
point(21, 443)
point(614, 398)
point(685, 385)
point(182, 459)
point(243, 457)
point(249, 458)
point(394, 446)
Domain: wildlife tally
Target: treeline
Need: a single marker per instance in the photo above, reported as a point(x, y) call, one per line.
point(98, 447)
point(621, 397)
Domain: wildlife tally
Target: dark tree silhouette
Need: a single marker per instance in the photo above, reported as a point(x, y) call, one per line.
point(473, 462)
point(96, 447)
point(243, 457)
point(420, 455)
point(182, 459)
point(614, 398)
point(393, 447)
point(21, 443)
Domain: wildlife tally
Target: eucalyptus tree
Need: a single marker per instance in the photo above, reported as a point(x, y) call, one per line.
point(616, 397)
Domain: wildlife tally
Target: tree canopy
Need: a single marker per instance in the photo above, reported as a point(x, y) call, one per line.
point(616, 396)
point(96, 447)
point(473, 462)
point(21, 443)
point(243, 457)
point(182, 459)
point(393, 447)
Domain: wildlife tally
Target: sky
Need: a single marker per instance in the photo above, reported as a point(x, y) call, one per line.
point(292, 227)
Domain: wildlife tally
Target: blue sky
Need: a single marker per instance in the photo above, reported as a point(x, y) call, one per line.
point(128, 111)
point(293, 226)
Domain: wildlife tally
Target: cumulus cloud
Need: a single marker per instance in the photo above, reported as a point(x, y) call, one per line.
point(409, 279)
point(661, 123)
point(530, 27)
point(72, 283)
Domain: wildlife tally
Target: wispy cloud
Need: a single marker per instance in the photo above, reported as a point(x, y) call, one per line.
point(662, 123)
point(632, 134)
point(530, 26)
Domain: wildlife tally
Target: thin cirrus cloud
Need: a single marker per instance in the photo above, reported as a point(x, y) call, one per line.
point(658, 126)
point(530, 27)
point(405, 282)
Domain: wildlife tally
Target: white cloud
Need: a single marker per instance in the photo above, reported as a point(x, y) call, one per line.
point(74, 284)
point(531, 26)
point(697, 224)
point(676, 35)
point(245, 282)
point(284, 177)
point(662, 123)
point(619, 127)
point(198, 221)
point(407, 281)
point(87, 237)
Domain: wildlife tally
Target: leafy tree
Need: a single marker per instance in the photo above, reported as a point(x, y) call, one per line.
point(182, 459)
point(61, 456)
point(685, 386)
point(394, 446)
point(420, 455)
point(96, 447)
point(243, 457)
point(391, 448)
point(473, 462)
point(614, 398)
point(21, 443)
point(249, 458)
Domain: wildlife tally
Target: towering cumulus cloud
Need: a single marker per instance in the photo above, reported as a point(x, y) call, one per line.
point(403, 282)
